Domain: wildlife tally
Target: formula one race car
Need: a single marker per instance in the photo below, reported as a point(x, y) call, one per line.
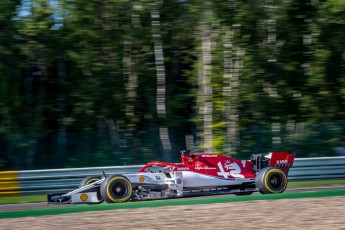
point(198, 174)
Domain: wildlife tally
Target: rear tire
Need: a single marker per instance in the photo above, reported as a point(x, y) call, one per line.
point(271, 180)
point(116, 189)
point(89, 180)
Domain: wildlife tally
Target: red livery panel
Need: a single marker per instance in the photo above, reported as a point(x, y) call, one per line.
point(222, 166)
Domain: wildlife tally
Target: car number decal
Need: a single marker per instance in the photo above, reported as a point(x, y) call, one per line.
point(233, 170)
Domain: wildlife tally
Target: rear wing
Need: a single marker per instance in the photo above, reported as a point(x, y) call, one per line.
point(282, 160)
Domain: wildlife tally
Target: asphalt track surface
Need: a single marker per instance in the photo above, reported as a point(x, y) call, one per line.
point(40, 205)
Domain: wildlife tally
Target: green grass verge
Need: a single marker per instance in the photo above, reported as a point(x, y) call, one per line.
point(66, 209)
point(293, 184)
point(23, 199)
point(314, 183)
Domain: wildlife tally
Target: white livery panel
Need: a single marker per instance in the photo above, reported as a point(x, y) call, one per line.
point(195, 180)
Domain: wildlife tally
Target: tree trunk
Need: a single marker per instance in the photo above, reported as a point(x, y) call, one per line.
point(271, 46)
point(207, 107)
point(161, 81)
point(114, 136)
point(205, 95)
point(61, 105)
point(228, 104)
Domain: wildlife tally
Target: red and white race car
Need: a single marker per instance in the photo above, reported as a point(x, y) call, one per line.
point(197, 174)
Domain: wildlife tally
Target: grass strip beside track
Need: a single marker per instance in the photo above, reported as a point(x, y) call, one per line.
point(23, 199)
point(314, 183)
point(66, 209)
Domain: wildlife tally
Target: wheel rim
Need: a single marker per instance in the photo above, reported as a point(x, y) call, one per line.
point(119, 190)
point(275, 181)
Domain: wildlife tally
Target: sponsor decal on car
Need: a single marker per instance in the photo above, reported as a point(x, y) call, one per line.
point(131, 175)
point(205, 168)
point(281, 161)
point(83, 197)
point(183, 169)
point(233, 170)
point(142, 179)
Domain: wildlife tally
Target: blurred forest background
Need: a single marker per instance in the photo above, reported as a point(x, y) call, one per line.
point(114, 82)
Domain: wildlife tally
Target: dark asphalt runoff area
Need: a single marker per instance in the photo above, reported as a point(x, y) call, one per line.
point(39, 205)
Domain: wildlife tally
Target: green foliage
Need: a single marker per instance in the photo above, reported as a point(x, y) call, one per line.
point(67, 70)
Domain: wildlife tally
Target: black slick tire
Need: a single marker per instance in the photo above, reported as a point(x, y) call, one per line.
point(116, 189)
point(271, 180)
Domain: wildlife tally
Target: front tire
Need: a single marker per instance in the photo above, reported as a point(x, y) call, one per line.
point(271, 180)
point(89, 180)
point(116, 189)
